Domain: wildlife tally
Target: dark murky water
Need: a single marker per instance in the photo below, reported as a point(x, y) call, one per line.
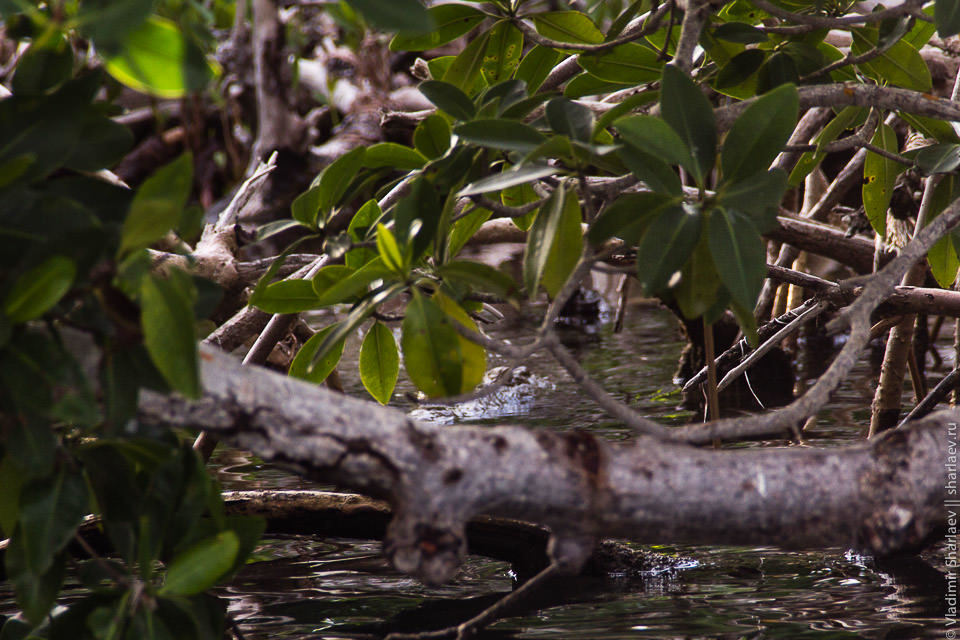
point(307, 588)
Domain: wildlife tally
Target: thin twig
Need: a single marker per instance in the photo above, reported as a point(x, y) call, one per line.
point(809, 314)
point(950, 382)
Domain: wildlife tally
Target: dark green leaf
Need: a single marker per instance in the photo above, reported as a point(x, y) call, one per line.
point(166, 314)
point(503, 52)
point(286, 296)
point(739, 32)
point(741, 66)
point(655, 137)
point(501, 134)
point(587, 84)
point(879, 177)
point(567, 26)
point(46, 64)
point(449, 98)
point(946, 15)
point(536, 65)
point(480, 277)
point(158, 205)
point(687, 110)
point(651, 170)
point(37, 290)
point(158, 59)
point(323, 365)
point(571, 119)
point(739, 253)
point(758, 196)
point(465, 68)
point(540, 239)
point(379, 362)
point(780, 68)
point(394, 15)
point(758, 135)
point(666, 245)
point(197, 569)
point(394, 156)
point(35, 593)
point(508, 178)
point(627, 217)
point(432, 136)
point(450, 21)
point(629, 63)
point(334, 180)
point(431, 348)
point(50, 512)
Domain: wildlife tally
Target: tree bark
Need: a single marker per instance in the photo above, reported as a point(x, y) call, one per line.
point(883, 497)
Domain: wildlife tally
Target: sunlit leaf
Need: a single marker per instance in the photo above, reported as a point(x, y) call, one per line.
point(379, 362)
point(38, 289)
point(158, 204)
point(201, 566)
point(307, 355)
point(166, 314)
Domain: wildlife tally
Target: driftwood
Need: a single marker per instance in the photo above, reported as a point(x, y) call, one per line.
point(883, 497)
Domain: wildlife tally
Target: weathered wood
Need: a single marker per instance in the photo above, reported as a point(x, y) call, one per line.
point(882, 497)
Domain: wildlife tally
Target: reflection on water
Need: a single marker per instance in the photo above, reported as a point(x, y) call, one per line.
point(305, 588)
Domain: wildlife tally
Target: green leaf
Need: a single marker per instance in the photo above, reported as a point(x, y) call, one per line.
point(666, 245)
point(323, 365)
point(158, 205)
point(480, 277)
point(651, 170)
point(394, 156)
point(473, 357)
point(629, 63)
point(655, 137)
point(758, 196)
point(432, 136)
point(105, 142)
point(587, 84)
point(501, 134)
point(431, 348)
point(759, 134)
point(465, 68)
point(508, 178)
point(46, 64)
point(811, 159)
point(938, 158)
point(565, 247)
point(389, 251)
point(536, 66)
point(394, 15)
point(517, 196)
point(353, 285)
point(943, 261)
point(540, 239)
point(37, 290)
point(286, 296)
point(699, 291)
point(627, 217)
point(36, 594)
point(50, 512)
point(464, 228)
point(567, 26)
point(201, 566)
point(687, 110)
point(739, 32)
point(450, 21)
point(157, 59)
point(740, 68)
point(328, 188)
point(780, 68)
point(502, 56)
point(166, 314)
point(569, 118)
point(449, 98)
point(900, 65)
point(879, 177)
point(379, 362)
point(739, 253)
point(930, 127)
